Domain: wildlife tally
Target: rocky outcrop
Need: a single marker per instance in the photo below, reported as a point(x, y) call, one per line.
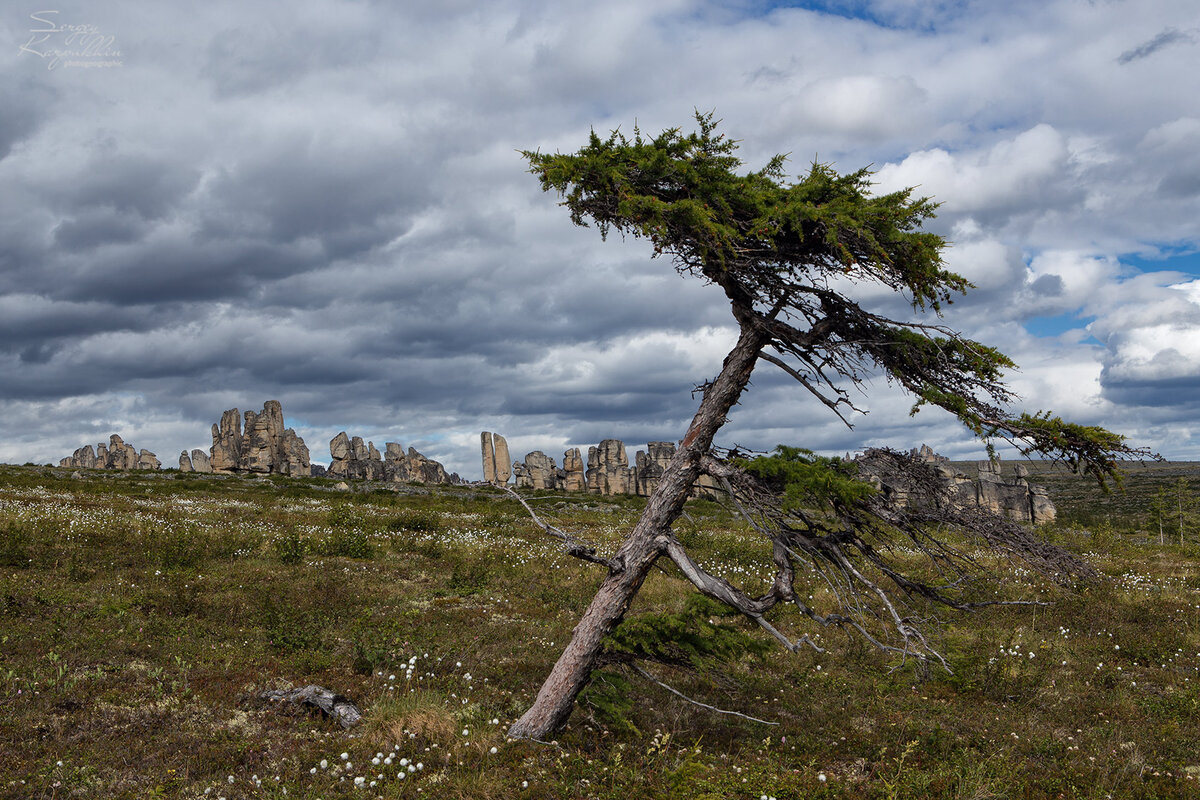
point(650, 464)
point(263, 445)
point(608, 469)
point(574, 475)
point(200, 461)
point(116, 455)
point(197, 461)
point(353, 459)
point(494, 449)
point(1015, 498)
point(539, 472)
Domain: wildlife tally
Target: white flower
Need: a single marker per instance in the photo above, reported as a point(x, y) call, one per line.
point(493, 751)
point(821, 777)
point(229, 779)
point(360, 780)
point(345, 756)
point(404, 762)
point(420, 765)
point(400, 774)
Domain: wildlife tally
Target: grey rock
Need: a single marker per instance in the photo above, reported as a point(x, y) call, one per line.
point(494, 452)
point(537, 472)
point(573, 467)
point(1015, 498)
point(200, 461)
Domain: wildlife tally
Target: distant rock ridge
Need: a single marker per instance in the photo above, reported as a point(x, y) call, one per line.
point(352, 459)
point(1015, 498)
point(607, 470)
point(262, 446)
point(116, 455)
point(258, 443)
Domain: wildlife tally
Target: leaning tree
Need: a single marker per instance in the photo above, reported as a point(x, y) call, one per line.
point(786, 255)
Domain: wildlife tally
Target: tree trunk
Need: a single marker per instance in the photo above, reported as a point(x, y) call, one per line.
point(641, 548)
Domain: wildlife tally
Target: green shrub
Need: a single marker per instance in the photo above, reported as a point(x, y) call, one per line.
point(290, 548)
point(14, 545)
point(703, 632)
point(347, 543)
point(469, 576)
point(179, 548)
point(610, 697)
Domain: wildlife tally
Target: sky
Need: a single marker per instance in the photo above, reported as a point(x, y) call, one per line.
point(206, 206)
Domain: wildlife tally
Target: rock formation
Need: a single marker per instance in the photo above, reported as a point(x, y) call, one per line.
point(352, 459)
point(573, 471)
point(494, 448)
point(117, 455)
point(606, 472)
point(608, 468)
point(1015, 498)
point(649, 466)
point(197, 461)
point(539, 472)
point(263, 446)
point(200, 461)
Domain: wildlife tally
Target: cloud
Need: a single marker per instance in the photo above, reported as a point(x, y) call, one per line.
point(328, 207)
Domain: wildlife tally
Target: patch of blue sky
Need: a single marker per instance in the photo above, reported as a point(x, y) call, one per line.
point(919, 16)
point(1181, 258)
point(1046, 327)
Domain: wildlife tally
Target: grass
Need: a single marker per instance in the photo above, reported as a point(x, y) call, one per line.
point(142, 613)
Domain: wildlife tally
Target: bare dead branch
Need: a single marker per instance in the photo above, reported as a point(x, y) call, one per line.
point(571, 544)
point(680, 694)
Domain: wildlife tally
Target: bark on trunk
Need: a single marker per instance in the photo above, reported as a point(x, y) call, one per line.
point(648, 540)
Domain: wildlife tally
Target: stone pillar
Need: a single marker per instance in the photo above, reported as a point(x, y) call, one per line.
point(573, 467)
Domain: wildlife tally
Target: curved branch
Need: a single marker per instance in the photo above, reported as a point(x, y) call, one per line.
point(571, 544)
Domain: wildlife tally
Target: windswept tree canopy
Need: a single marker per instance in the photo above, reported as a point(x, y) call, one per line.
point(785, 252)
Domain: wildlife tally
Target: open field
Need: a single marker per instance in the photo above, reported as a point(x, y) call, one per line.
point(141, 614)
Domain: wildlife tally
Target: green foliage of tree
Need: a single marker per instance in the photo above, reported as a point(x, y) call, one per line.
point(806, 480)
point(698, 635)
